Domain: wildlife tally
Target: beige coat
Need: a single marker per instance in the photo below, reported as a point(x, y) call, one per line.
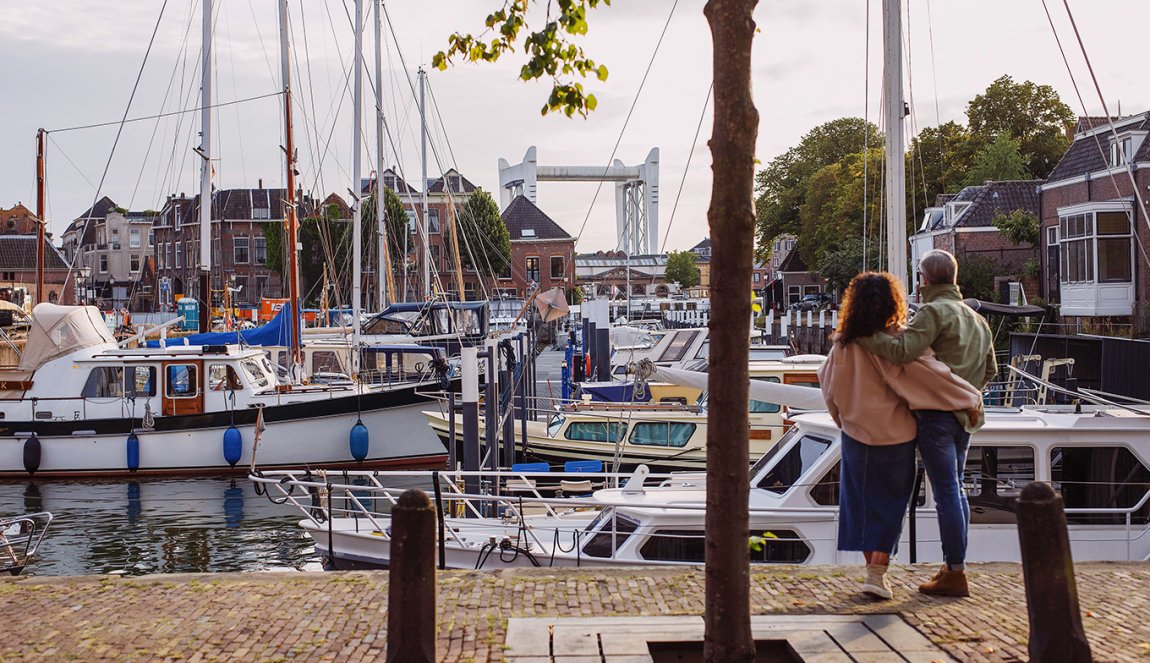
point(872, 398)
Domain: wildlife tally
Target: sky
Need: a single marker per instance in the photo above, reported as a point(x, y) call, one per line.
point(71, 63)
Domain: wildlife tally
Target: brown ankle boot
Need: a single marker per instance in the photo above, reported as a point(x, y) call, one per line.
point(946, 583)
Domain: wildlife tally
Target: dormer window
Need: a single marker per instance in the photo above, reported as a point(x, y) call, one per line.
point(456, 183)
point(1121, 150)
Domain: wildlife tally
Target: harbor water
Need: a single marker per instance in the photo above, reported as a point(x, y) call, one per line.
point(145, 526)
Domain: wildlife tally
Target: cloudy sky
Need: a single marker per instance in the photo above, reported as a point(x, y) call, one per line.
point(73, 62)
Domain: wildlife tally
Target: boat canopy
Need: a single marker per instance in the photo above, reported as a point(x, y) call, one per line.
point(431, 319)
point(60, 330)
point(275, 332)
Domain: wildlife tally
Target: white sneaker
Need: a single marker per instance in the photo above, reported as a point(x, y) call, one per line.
point(877, 585)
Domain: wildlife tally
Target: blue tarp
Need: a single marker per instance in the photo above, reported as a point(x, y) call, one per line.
point(276, 332)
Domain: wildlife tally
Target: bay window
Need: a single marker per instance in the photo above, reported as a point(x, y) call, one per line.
point(1095, 248)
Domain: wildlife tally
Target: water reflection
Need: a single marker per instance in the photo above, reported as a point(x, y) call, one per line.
point(160, 526)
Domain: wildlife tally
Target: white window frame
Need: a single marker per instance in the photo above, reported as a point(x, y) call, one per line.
point(247, 249)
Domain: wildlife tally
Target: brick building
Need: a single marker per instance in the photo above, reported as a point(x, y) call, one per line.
point(608, 273)
point(963, 224)
point(18, 272)
point(542, 253)
point(111, 244)
point(239, 245)
point(1093, 220)
point(18, 220)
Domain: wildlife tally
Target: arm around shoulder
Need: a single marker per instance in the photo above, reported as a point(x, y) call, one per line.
point(915, 339)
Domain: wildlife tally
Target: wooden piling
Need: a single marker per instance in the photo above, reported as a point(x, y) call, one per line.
point(411, 581)
point(1056, 632)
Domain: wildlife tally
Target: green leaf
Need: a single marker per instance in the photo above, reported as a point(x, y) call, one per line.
point(602, 72)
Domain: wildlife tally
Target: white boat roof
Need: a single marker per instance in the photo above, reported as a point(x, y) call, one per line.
point(1030, 418)
point(61, 330)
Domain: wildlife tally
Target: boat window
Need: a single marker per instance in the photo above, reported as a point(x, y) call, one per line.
point(993, 478)
point(467, 322)
point(825, 491)
point(554, 425)
point(774, 451)
point(704, 350)
point(182, 381)
point(325, 361)
point(596, 431)
point(678, 346)
point(611, 536)
point(258, 377)
point(683, 545)
point(1100, 478)
point(140, 381)
point(222, 377)
point(662, 433)
point(791, 468)
point(763, 406)
point(104, 382)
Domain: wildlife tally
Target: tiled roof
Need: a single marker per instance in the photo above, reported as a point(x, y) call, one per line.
point(436, 185)
point(100, 210)
point(994, 197)
point(526, 221)
point(793, 262)
point(1091, 152)
point(705, 244)
point(237, 204)
point(401, 186)
point(18, 253)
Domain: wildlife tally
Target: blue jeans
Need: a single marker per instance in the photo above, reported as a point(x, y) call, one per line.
point(942, 444)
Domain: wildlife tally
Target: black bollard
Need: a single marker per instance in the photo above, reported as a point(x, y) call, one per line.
point(411, 581)
point(1056, 632)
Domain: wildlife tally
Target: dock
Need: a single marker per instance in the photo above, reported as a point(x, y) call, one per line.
point(342, 615)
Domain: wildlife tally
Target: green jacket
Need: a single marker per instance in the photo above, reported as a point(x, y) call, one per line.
point(959, 337)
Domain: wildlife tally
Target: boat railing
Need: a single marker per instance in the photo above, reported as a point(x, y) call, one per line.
point(1127, 515)
point(20, 538)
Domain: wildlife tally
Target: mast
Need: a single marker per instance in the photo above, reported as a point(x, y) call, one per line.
point(895, 166)
point(357, 190)
point(383, 264)
point(41, 217)
point(423, 188)
point(291, 219)
point(205, 153)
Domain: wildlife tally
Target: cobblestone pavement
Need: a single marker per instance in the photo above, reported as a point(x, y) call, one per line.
point(342, 616)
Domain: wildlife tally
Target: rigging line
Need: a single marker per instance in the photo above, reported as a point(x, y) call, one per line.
point(1082, 102)
point(627, 120)
point(683, 181)
point(442, 125)
point(934, 83)
point(314, 145)
point(119, 131)
point(168, 114)
point(910, 127)
point(235, 92)
point(71, 163)
point(163, 104)
point(866, 130)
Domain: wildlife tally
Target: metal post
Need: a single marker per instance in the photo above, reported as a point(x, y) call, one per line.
point(603, 353)
point(357, 189)
point(452, 444)
point(591, 348)
point(1056, 632)
point(507, 416)
point(411, 581)
point(205, 153)
point(491, 409)
point(42, 220)
point(423, 187)
point(470, 393)
point(523, 409)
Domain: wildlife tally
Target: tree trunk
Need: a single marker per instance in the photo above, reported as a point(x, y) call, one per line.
point(732, 220)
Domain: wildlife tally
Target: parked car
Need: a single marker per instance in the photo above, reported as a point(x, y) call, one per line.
point(815, 301)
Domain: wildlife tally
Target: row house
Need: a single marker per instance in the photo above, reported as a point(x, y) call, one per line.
point(109, 246)
point(760, 272)
point(611, 273)
point(963, 224)
point(18, 229)
point(542, 253)
point(1094, 219)
point(239, 245)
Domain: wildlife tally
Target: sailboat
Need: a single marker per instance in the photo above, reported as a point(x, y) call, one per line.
point(80, 404)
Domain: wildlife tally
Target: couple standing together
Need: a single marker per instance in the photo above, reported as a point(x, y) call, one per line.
point(893, 388)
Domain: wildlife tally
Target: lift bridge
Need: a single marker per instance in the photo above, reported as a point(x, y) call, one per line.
point(636, 193)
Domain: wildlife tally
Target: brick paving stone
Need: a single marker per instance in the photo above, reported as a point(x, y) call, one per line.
point(342, 615)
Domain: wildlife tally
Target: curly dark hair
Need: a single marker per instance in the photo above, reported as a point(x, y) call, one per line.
point(873, 302)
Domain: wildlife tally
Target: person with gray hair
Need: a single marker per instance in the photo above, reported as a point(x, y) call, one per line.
point(962, 340)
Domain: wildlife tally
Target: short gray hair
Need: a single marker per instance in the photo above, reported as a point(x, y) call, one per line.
point(938, 267)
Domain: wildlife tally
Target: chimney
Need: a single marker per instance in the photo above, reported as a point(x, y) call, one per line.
point(261, 184)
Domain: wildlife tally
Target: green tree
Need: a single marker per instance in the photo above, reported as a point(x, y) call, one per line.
point(274, 235)
point(938, 161)
point(1034, 114)
point(395, 221)
point(682, 269)
point(840, 264)
point(782, 186)
point(1019, 226)
point(832, 209)
point(483, 235)
point(551, 51)
point(976, 274)
point(998, 161)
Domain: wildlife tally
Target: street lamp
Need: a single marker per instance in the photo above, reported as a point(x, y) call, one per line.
point(85, 274)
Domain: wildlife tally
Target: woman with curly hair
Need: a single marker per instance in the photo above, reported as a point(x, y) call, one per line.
point(871, 399)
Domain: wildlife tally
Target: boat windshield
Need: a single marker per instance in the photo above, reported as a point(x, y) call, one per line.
point(554, 425)
point(792, 466)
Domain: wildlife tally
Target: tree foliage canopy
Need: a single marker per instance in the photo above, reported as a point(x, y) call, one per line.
point(999, 161)
point(1019, 226)
point(484, 235)
point(1033, 114)
point(682, 269)
point(551, 50)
